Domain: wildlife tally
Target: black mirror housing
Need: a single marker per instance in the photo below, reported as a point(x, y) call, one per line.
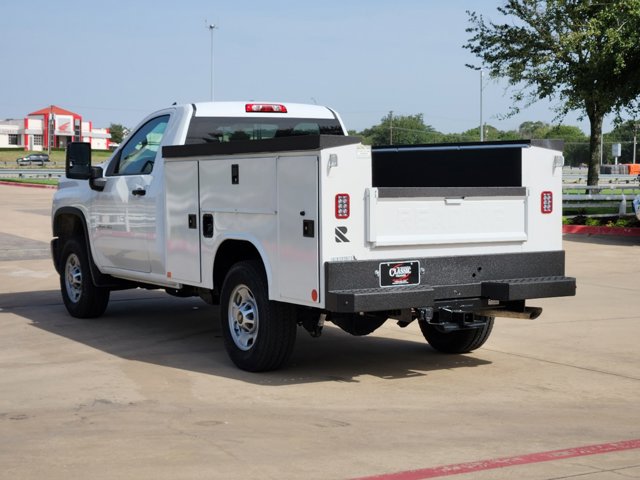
point(78, 161)
point(97, 181)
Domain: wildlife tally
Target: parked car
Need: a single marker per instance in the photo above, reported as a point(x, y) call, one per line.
point(33, 158)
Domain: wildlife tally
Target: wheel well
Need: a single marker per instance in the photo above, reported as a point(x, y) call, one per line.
point(66, 225)
point(69, 223)
point(230, 253)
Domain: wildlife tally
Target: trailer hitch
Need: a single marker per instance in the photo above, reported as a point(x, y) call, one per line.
point(449, 320)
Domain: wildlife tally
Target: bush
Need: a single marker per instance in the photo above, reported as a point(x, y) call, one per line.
point(624, 222)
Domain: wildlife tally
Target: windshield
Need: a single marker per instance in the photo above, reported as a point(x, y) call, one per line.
point(230, 129)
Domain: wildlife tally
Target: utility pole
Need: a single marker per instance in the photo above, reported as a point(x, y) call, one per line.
point(635, 134)
point(391, 128)
point(50, 130)
point(211, 28)
point(481, 89)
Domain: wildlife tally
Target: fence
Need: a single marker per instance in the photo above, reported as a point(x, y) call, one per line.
point(599, 200)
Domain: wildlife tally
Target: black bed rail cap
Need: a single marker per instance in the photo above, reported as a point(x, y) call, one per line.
point(282, 144)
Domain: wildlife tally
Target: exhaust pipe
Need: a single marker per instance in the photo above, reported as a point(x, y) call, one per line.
point(529, 313)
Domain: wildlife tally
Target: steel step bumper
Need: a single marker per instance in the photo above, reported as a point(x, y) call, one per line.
point(524, 288)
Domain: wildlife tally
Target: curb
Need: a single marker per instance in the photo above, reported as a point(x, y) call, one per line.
point(28, 185)
point(592, 230)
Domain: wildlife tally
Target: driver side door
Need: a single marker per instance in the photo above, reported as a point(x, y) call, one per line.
point(124, 213)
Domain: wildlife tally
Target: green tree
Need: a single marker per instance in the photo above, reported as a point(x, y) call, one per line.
point(584, 54)
point(401, 130)
point(533, 129)
point(576, 143)
point(118, 132)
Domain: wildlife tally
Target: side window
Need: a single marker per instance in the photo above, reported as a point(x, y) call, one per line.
point(139, 153)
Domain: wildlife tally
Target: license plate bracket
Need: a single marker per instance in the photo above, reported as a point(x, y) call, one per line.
point(396, 274)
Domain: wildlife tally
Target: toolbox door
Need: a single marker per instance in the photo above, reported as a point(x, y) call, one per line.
point(183, 221)
point(298, 272)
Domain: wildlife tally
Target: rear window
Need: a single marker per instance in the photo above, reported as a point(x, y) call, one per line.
point(231, 129)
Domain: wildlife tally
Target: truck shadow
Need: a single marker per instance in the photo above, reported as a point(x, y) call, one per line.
point(155, 328)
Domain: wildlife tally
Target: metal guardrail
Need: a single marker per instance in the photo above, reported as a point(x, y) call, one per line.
point(619, 201)
point(581, 179)
point(31, 172)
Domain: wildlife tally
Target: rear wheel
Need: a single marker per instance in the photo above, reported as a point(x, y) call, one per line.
point(81, 297)
point(458, 341)
point(259, 334)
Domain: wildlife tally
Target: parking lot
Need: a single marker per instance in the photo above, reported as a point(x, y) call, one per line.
point(147, 391)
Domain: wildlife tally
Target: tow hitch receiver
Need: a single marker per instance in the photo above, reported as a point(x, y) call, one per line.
point(449, 320)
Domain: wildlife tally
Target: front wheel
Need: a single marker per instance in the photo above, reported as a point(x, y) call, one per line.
point(81, 297)
point(258, 334)
point(458, 341)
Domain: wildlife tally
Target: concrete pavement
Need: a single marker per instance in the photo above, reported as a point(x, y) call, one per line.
point(147, 391)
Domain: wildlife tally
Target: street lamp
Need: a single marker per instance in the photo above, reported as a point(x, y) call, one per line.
point(481, 89)
point(211, 28)
point(636, 125)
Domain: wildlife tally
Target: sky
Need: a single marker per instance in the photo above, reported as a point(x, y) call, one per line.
point(117, 61)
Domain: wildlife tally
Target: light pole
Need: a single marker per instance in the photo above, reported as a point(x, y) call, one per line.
point(211, 28)
point(635, 134)
point(50, 130)
point(481, 89)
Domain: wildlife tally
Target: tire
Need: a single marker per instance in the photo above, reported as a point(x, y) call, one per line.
point(258, 334)
point(81, 297)
point(459, 341)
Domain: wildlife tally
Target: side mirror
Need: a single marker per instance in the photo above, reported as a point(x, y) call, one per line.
point(78, 161)
point(97, 181)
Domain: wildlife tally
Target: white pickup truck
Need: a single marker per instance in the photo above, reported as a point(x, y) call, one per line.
point(271, 212)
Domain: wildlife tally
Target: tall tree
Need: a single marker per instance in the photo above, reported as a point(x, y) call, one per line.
point(583, 54)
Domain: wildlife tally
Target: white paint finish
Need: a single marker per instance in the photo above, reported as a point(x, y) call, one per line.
point(540, 175)
point(122, 223)
point(237, 109)
point(255, 192)
point(182, 200)
point(298, 257)
point(443, 221)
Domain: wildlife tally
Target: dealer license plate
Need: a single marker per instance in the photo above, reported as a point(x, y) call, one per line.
point(395, 274)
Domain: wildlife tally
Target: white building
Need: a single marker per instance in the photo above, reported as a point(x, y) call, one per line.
point(54, 125)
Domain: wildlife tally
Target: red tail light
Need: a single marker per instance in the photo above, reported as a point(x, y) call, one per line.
point(265, 108)
point(343, 206)
point(546, 202)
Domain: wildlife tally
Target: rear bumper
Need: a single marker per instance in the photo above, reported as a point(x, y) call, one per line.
point(355, 286)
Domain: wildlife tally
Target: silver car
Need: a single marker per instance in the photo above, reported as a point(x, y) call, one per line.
point(33, 159)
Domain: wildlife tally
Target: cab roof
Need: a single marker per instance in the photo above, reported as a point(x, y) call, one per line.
point(239, 109)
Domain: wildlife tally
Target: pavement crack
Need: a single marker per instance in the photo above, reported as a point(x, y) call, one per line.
point(617, 470)
point(563, 364)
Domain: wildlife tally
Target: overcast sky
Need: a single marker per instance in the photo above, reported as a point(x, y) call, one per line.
point(117, 61)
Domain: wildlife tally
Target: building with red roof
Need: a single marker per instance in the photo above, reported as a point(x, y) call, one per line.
point(51, 126)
